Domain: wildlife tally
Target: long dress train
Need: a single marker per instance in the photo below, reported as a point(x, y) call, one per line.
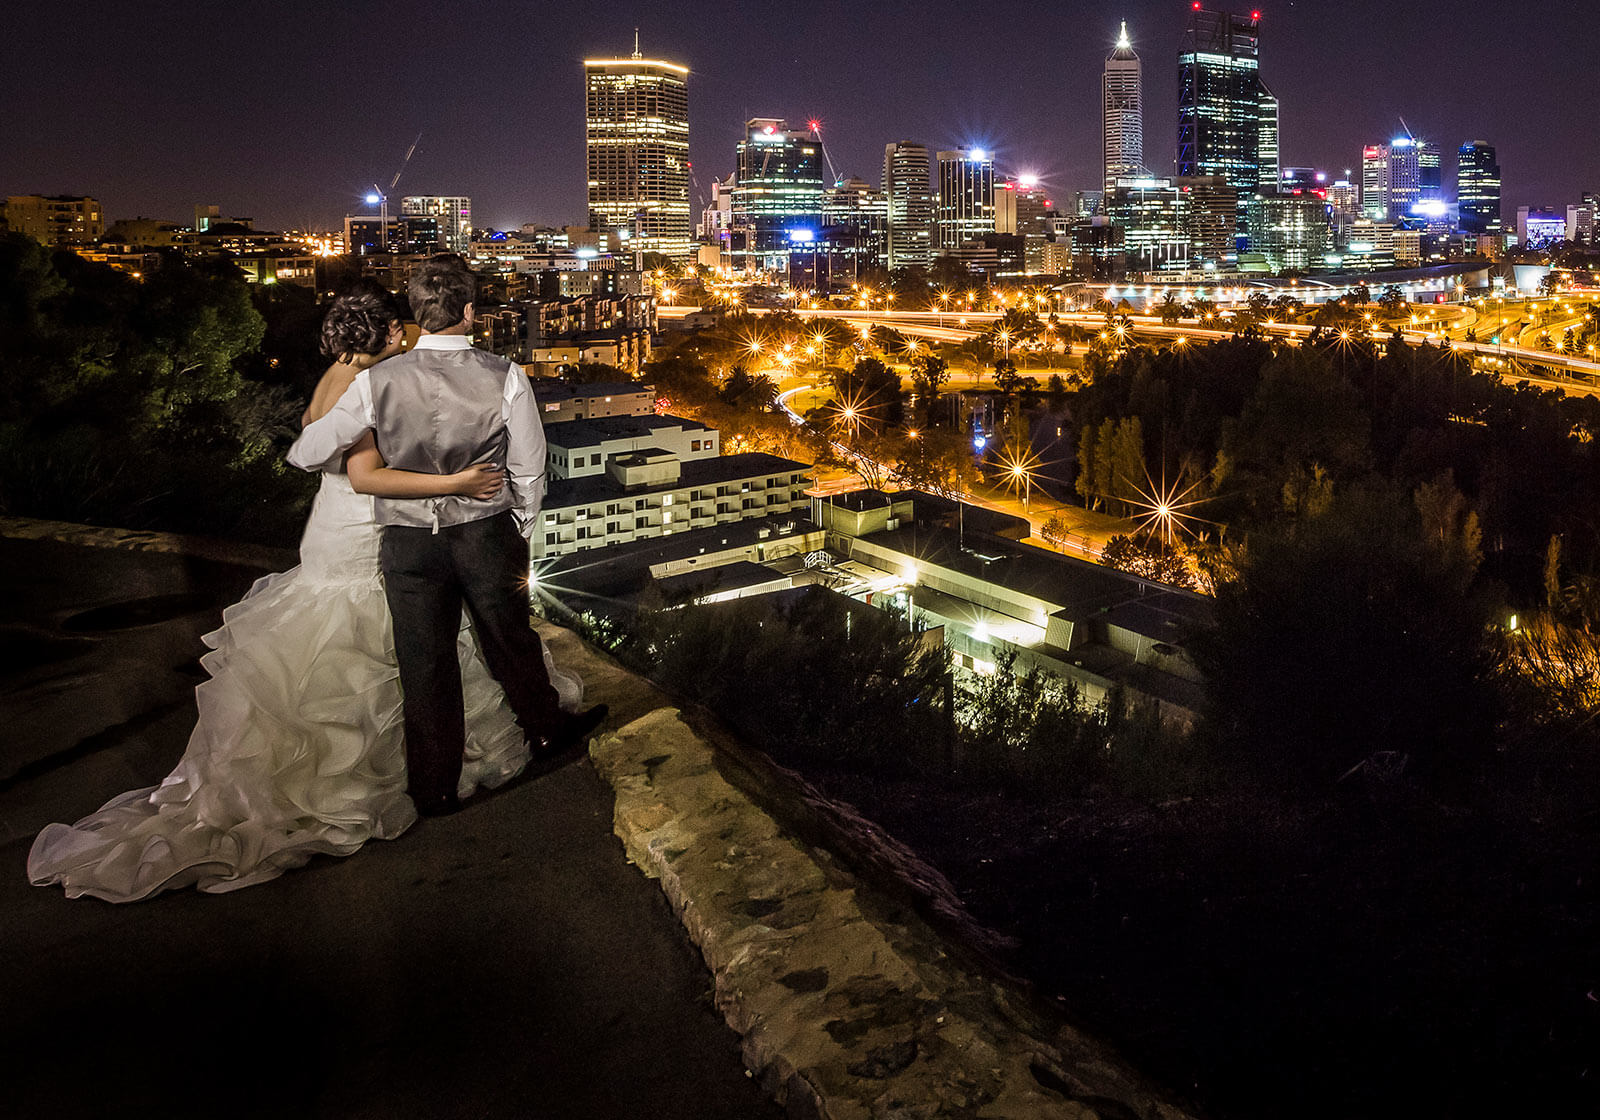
point(298, 748)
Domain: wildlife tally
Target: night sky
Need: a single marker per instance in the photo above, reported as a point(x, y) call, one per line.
point(287, 110)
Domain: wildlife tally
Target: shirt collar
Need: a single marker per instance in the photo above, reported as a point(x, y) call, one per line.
point(442, 342)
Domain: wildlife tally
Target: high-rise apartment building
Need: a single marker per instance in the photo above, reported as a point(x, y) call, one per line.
point(777, 200)
point(1121, 113)
point(907, 183)
point(57, 219)
point(637, 132)
point(1478, 188)
point(966, 197)
point(1222, 101)
point(453, 213)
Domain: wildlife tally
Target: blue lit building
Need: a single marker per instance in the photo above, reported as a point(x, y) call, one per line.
point(777, 193)
point(1414, 175)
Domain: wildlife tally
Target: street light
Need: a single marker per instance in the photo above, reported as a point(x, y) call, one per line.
point(1020, 476)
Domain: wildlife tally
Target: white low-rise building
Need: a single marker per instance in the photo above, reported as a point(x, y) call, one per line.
point(653, 493)
point(581, 448)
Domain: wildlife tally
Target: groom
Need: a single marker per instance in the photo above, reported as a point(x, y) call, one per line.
point(440, 408)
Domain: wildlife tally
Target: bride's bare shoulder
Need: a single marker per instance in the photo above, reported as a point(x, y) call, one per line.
point(330, 387)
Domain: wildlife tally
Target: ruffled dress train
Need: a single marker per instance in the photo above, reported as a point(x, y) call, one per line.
point(299, 748)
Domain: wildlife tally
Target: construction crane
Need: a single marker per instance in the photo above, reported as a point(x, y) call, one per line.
point(816, 127)
point(380, 198)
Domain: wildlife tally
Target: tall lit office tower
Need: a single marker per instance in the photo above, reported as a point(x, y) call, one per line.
point(1375, 182)
point(966, 196)
point(452, 213)
point(1478, 188)
point(1267, 142)
point(1220, 102)
point(1413, 175)
point(907, 182)
point(1122, 113)
point(637, 129)
point(777, 198)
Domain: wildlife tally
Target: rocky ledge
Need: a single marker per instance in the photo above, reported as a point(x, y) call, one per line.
point(849, 1006)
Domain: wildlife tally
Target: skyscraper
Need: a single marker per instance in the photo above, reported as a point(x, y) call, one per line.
point(1413, 175)
point(1221, 100)
point(855, 230)
point(637, 129)
point(966, 197)
point(1121, 113)
point(1375, 182)
point(907, 181)
point(1478, 188)
point(453, 215)
point(1267, 142)
point(777, 199)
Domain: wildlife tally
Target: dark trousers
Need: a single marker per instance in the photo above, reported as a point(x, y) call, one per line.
point(428, 578)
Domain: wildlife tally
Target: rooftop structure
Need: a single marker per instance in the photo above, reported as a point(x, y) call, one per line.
point(569, 400)
point(579, 448)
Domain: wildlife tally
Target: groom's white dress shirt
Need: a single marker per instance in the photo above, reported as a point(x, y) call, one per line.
point(323, 443)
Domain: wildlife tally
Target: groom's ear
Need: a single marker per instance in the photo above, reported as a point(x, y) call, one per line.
point(467, 314)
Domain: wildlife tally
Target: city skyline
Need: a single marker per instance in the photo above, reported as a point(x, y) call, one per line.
point(254, 123)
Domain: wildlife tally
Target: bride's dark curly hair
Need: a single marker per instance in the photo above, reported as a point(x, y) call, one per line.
point(358, 321)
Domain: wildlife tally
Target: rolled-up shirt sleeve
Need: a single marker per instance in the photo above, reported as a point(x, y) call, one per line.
point(323, 442)
point(526, 450)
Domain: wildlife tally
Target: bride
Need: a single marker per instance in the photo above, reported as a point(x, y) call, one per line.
point(298, 747)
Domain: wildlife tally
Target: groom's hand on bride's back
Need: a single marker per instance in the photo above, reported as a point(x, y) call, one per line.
point(481, 481)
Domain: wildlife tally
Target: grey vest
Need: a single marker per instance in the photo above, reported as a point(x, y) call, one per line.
point(439, 412)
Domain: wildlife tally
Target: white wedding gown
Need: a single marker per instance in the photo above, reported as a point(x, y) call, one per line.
point(298, 749)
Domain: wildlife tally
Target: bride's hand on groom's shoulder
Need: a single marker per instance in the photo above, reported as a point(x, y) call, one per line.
point(482, 481)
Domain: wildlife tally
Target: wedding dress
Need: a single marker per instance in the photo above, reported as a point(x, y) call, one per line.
point(298, 749)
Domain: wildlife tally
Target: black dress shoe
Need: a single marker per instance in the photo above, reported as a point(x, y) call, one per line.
point(437, 806)
point(574, 729)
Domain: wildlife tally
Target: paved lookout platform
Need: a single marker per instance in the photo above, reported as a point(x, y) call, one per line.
point(510, 960)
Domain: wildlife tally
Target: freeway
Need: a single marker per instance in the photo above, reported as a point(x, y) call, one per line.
point(1566, 372)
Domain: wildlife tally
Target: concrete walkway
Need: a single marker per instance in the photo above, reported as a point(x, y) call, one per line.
point(506, 961)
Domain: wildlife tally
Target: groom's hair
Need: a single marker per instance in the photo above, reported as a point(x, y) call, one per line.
point(440, 290)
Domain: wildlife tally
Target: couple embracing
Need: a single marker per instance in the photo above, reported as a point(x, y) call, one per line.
point(433, 469)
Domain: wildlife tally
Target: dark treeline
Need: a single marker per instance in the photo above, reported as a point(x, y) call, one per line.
point(1263, 430)
point(162, 402)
